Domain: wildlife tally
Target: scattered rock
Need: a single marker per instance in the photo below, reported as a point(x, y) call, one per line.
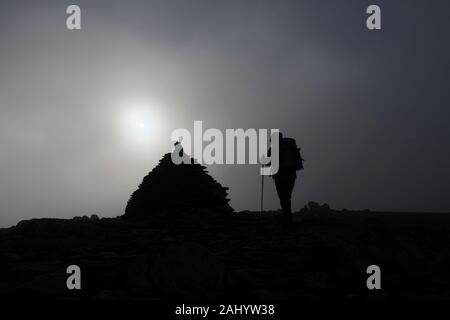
point(135, 273)
point(314, 206)
point(241, 281)
point(318, 281)
point(188, 269)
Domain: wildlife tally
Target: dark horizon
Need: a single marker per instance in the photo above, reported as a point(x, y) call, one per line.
point(369, 109)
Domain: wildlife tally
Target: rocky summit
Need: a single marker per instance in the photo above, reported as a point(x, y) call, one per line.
point(323, 255)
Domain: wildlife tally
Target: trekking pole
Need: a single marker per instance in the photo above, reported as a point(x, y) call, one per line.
point(262, 192)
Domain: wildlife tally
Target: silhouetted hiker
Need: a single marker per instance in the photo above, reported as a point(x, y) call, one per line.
point(290, 161)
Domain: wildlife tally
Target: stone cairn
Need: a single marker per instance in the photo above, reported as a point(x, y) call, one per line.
point(178, 189)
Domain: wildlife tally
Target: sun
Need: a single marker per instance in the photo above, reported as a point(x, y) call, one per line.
point(141, 124)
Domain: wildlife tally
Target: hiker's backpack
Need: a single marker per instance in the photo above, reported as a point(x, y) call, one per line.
point(290, 157)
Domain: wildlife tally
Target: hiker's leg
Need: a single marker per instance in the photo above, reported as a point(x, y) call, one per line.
point(290, 183)
point(284, 185)
point(287, 212)
point(289, 187)
point(280, 185)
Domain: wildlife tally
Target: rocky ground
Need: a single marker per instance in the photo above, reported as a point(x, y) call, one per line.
point(323, 255)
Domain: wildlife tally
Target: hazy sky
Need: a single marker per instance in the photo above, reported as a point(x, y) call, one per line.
point(370, 109)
